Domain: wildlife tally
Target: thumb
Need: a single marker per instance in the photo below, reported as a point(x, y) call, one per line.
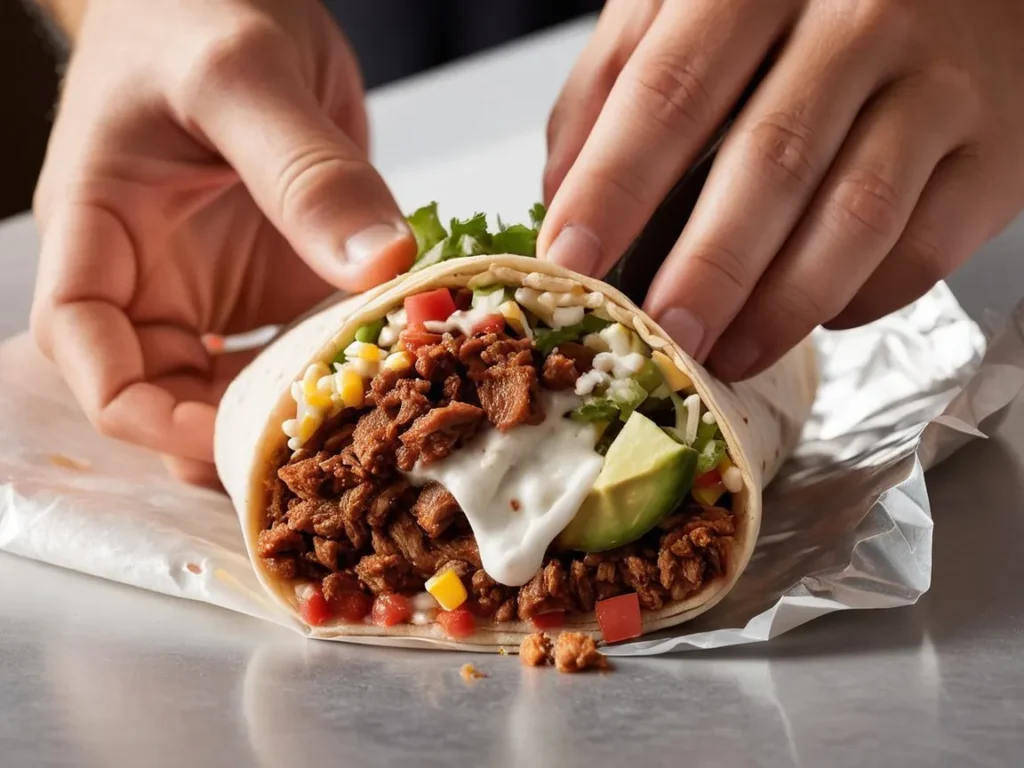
point(310, 179)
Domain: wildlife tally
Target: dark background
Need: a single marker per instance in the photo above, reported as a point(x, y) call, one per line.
point(432, 32)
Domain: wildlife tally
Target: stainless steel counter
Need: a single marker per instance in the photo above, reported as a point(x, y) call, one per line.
point(95, 674)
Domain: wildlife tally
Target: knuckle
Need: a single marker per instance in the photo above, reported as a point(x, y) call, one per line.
point(798, 308)
point(893, 20)
point(782, 144)
point(922, 263)
point(312, 176)
point(225, 59)
point(671, 91)
point(727, 269)
point(865, 205)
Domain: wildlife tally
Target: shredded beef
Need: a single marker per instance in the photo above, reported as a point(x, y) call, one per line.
point(340, 512)
point(435, 509)
point(435, 435)
point(508, 394)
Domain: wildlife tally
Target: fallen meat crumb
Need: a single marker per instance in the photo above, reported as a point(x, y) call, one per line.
point(535, 650)
point(577, 651)
point(502, 651)
point(470, 673)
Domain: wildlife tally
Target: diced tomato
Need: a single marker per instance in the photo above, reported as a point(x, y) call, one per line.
point(313, 607)
point(390, 609)
point(432, 305)
point(619, 617)
point(458, 623)
point(549, 620)
point(709, 478)
point(413, 340)
point(490, 324)
point(351, 606)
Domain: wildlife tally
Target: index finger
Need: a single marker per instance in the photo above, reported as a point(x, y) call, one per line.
point(673, 92)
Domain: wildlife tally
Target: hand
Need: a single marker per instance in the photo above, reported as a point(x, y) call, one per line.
point(207, 174)
point(884, 146)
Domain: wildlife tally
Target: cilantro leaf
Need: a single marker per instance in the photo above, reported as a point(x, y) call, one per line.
point(537, 214)
point(518, 239)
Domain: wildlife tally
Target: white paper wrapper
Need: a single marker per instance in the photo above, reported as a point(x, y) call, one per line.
point(846, 524)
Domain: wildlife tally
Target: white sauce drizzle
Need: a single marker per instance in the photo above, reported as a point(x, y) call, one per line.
point(520, 488)
point(461, 321)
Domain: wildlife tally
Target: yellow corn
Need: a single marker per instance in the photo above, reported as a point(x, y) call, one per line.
point(514, 316)
point(307, 427)
point(371, 353)
point(709, 496)
point(447, 589)
point(399, 361)
point(675, 378)
point(350, 387)
point(310, 386)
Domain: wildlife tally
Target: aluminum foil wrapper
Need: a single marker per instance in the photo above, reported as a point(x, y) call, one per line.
point(846, 524)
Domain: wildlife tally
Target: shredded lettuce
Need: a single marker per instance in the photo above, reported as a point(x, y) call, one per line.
point(627, 394)
point(710, 455)
point(547, 339)
point(596, 409)
point(426, 228)
point(469, 237)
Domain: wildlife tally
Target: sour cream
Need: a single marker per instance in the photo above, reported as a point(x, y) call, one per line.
point(461, 321)
point(521, 488)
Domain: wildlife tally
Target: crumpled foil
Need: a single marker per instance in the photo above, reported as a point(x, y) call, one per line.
point(846, 523)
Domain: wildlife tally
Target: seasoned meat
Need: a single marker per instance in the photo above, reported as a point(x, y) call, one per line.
point(462, 548)
point(277, 508)
point(535, 650)
point(577, 651)
point(435, 362)
point(386, 573)
point(581, 585)
point(389, 499)
point(322, 517)
point(434, 435)
point(490, 595)
point(303, 478)
point(642, 577)
point(409, 539)
point(337, 583)
point(508, 394)
point(327, 552)
point(281, 567)
point(406, 402)
point(559, 372)
point(375, 441)
point(545, 592)
point(435, 508)
point(274, 541)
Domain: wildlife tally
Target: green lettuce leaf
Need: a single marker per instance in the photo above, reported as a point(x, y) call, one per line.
point(596, 409)
point(537, 214)
point(549, 338)
point(709, 457)
point(426, 228)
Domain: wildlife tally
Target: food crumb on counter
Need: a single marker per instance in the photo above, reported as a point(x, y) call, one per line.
point(470, 673)
point(535, 650)
point(571, 652)
point(577, 651)
point(66, 462)
point(502, 651)
point(194, 568)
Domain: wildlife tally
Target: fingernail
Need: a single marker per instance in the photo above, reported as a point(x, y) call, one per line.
point(683, 326)
point(576, 248)
point(372, 241)
point(734, 361)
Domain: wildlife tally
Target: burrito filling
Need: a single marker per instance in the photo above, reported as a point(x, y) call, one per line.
point(498, 454)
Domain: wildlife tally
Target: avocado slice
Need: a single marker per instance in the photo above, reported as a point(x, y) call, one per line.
point(645, 475)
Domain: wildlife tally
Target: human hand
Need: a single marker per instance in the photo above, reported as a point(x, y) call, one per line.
point(207, 174)
point(883, 147)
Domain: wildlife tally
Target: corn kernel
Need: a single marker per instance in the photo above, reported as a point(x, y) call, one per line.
point(709, 496)
point(307, 427)
point(371, 353)
point(399, 361)
point(448, 589)
point(676, 379)
point(515, 317)
point(350, 387)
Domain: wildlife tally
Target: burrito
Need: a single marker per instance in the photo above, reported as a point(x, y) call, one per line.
point(490, 445)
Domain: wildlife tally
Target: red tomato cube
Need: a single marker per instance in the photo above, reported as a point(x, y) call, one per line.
point(351, 606)
point(549, 620)
point(457, 623)
point(390, 609)
point(708, 479)
point(432, 305)
point(313, 607)
point(490, 324)
point(413, 340)
point(619, 617)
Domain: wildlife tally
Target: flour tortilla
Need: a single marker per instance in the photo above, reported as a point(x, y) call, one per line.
point(761, 420)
